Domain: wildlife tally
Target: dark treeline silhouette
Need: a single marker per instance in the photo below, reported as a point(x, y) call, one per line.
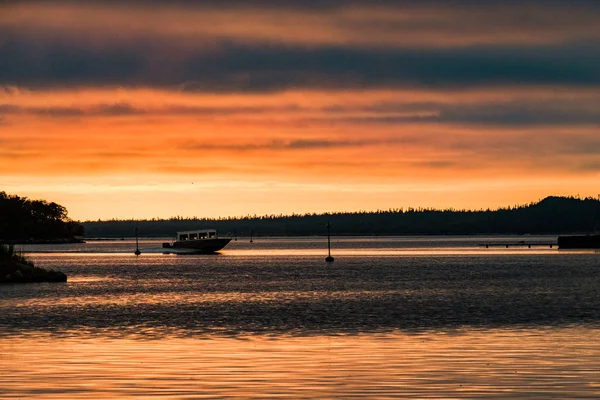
point(553, 215)
point(23, 221)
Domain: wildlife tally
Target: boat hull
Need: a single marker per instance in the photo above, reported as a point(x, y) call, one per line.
point(205, 246)
point(579, 242)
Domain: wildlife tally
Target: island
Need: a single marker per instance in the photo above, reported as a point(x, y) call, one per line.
point(16, 268)
point(32, 221)
point(25, 221)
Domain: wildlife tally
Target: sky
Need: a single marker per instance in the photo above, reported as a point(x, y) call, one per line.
point(154, 109)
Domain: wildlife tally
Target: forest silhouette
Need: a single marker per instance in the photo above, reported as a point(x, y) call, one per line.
point(35, 221)
point(552, 215)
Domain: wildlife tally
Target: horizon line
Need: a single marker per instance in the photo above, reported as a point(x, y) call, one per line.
point(331, 213)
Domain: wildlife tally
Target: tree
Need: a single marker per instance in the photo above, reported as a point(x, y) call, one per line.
point(23, 220)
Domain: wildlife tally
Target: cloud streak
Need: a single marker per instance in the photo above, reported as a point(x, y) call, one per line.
point(547, 109)
point(431, 23)
point(239, 68)
point(273, 46)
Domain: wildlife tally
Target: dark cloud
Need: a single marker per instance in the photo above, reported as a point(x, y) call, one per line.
point(297, 144)
point(516, 113)
point(55, 112)
point(542, 146)
point(320, 144)
point(524, 112)
point(56, 63)
point(235, 67)
point(440, 47)
point(511, 113)
point(125, 109)
point(9, 109)
point(273, 67)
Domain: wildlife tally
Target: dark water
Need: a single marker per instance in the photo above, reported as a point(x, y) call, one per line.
point(391, 317)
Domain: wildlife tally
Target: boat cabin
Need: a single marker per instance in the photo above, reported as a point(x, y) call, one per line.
point(202, 234)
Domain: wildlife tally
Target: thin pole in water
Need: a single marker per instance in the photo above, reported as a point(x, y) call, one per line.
point(137, 251)
point(328, 258)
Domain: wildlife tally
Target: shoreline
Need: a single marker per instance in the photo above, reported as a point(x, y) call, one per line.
point(16, 272)
point(15, 268)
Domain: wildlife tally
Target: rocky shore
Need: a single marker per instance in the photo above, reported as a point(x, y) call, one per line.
point(14, 268)
point(23, 273)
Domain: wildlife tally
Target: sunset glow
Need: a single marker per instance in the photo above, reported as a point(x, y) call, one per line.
point(196, 109)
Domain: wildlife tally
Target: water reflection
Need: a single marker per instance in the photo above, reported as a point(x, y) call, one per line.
point(456, 364)
point(293, 293)
point(316, 246)
point(391, 317)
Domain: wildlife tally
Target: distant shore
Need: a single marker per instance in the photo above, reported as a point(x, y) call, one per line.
point(550, 216)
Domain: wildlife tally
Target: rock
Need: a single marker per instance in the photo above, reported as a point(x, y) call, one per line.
point(56, 276)
point(21, 273)
point(15, 276)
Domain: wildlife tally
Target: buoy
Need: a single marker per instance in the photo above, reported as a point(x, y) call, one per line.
point(137, 251)
point(328, 258)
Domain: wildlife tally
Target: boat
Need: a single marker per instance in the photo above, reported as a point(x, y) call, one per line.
point(204, 241)
point(579, 242)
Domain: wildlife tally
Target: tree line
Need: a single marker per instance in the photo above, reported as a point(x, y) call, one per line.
point(25, 221)
point(552, 215)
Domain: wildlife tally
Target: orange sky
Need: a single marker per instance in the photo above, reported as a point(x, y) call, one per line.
point(139, 112)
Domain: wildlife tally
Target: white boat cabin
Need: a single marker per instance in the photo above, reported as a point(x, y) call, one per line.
point(202, 234)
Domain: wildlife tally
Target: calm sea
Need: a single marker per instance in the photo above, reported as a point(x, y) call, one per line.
point(390, 318)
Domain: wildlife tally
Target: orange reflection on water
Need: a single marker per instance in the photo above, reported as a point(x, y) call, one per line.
point(536, 363)
point(393, 252)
